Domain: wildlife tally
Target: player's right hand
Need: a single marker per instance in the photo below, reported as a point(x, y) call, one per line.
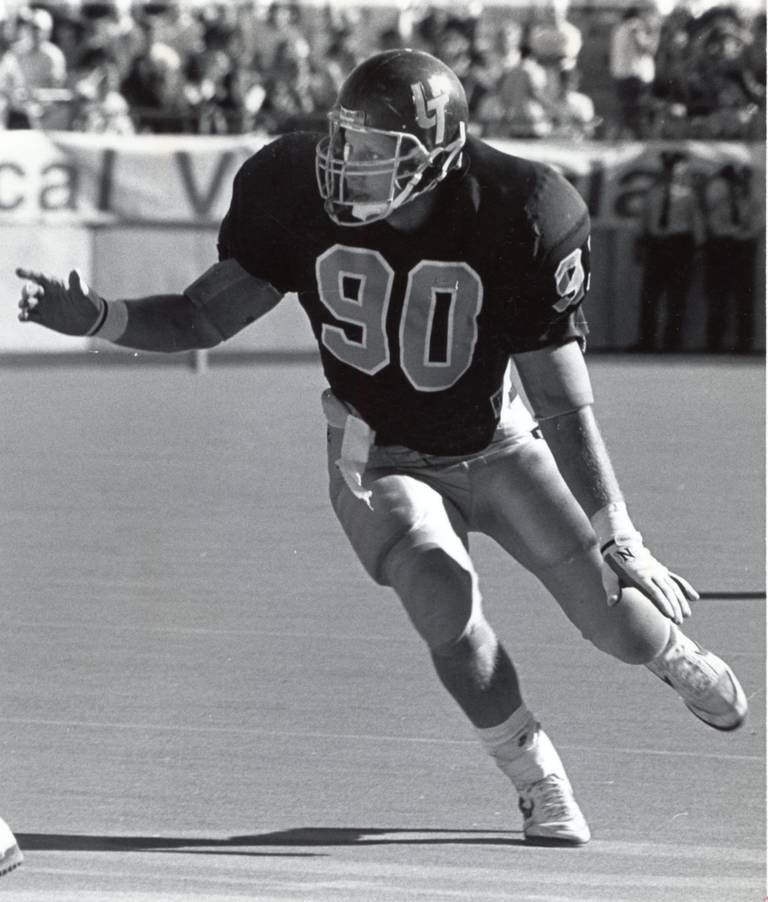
point(72, 309)
point(627, 562)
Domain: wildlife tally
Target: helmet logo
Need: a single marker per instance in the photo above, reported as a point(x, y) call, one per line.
point(430, 112)
point(570, 281)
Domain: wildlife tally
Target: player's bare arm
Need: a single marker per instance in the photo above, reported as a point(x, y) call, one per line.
point(216, 306)
point(557, 383)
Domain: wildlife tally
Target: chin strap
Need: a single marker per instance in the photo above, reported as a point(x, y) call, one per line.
point(368, 211)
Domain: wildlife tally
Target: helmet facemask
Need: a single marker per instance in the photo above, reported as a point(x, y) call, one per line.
point(409, 172)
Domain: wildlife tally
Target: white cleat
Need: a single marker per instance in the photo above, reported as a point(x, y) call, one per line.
point(705, 683)
point(10, 853)
point(551, 815)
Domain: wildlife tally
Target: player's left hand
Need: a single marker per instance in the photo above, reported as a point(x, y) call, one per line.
point(70, 308)
point(630, 563)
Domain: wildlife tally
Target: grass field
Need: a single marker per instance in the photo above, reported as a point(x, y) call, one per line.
point(204, 698)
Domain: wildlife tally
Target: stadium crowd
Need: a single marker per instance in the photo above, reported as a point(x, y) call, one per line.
point(545, 70)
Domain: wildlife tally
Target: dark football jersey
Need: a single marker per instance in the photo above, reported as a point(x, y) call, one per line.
point(415, 329)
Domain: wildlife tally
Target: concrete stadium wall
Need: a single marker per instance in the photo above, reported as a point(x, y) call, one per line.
point(131, 261)
point(47, 249)
point(138, 260)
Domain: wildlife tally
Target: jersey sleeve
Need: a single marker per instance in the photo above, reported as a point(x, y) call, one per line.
point(255, 230)
point(549, 309)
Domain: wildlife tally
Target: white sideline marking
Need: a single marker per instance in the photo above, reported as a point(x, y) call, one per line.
point(348, 737)
point(367, 875)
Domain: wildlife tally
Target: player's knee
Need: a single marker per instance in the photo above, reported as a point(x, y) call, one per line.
point(634, 630)
point(565, 560)
point(440, 594)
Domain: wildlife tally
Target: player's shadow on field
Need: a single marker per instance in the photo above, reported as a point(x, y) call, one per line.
point(291, 841)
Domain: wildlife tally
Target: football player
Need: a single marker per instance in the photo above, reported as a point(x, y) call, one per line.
point(425, 261)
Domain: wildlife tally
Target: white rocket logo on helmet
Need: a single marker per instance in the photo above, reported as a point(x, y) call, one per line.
point(430, 112)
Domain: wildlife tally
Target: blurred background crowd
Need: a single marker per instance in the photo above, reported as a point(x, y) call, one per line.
point(542, 69)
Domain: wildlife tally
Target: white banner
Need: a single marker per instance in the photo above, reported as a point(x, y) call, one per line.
point(155, 178)
point(64, 176)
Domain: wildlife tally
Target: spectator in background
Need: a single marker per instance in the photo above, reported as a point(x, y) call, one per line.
point(214, 82)
point(177, 26)
point(754, 56)
point(733, 225)
point(348, 28)
point(281, 25)
point(43, 68)
point(573, 111)
point(521, 107)
point(291, 100)
point(339, 59)
point(242, 98)
point(153, 85)
point(730, 97)
point(672, 229)
point(99, 25)
point(101, 106)
point(556, 43)
point(42, 63)
point(503, 54)
point(456, 48)
point(505, 49)
point(672, 72)
point(70, 35)
point(202, 88)
point(633, 68)
point(709, 79)
point(427, 29)
point(11, 82)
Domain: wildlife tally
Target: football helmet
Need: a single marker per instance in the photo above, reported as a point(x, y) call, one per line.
point(418, 108)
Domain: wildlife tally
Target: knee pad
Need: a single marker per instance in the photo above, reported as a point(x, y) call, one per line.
point(440, 593)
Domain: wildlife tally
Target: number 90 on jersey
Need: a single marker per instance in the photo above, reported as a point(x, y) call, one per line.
point(437, 329)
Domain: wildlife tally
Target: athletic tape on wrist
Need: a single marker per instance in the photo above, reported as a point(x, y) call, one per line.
point(115, 321)
point(613, 524)
point(100, 317)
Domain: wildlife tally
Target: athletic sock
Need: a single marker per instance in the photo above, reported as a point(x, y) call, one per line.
point(676, 644)
point(521, 749)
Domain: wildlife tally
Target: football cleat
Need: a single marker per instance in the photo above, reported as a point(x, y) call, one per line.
point(10, 853)
point(551, 815)
point(706, 684)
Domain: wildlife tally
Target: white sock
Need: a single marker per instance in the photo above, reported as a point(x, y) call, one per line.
point(677, 643)
point(521, 749)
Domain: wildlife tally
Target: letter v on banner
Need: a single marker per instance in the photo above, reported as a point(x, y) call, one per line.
point(202, 201)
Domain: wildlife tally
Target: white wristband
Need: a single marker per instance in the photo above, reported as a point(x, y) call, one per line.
point(612, 523)
point(114, 323)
